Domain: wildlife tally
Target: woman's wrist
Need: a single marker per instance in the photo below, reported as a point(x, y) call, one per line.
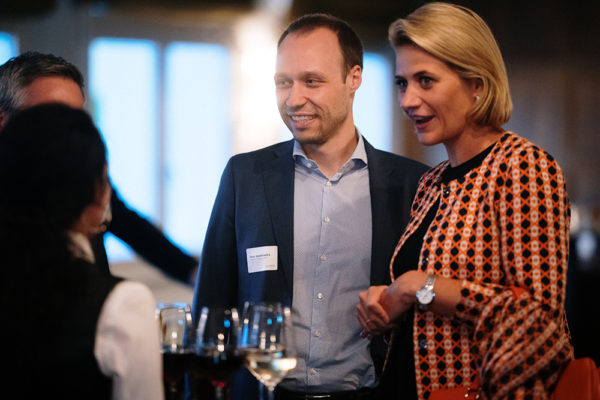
point(401, 294)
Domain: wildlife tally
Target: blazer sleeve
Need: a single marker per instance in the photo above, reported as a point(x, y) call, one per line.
point(216, 284)
point(149, 242)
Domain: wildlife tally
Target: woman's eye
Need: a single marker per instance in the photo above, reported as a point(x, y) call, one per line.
point(426, 81)
point(401, 83)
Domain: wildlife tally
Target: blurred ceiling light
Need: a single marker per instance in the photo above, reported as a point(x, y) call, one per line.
point(257, 122)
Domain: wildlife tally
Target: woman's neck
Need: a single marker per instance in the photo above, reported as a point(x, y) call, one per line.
point(470, 143)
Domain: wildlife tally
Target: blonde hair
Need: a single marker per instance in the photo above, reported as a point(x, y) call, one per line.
point(460, 38)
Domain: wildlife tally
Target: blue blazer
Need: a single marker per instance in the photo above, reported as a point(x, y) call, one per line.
point(254, 208)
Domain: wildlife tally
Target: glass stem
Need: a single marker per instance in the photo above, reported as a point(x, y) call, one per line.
point(266, 392)
point(263, 392)
point(219, 395)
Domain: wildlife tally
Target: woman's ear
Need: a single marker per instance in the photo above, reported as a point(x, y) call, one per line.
point(477, 86)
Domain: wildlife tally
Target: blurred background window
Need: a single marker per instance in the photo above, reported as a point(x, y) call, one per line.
point(164, 116)
point(8, 47)
point(374, 101)
point(123, 85)
point(197, 137)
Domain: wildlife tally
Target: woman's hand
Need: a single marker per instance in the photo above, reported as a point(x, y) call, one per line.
point(380, 306)
point(401, 295)
point(370, 314)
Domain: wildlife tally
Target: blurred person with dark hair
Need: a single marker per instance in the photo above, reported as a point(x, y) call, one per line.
point(71, 330)
point(34, 78)
point(479, 275)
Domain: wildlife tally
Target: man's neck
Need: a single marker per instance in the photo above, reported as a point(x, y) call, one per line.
point(331, 155)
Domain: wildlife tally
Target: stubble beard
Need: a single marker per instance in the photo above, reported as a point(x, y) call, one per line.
point(321, 135)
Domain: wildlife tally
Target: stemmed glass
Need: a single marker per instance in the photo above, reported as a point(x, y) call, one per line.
point(266, 337)
point(216, 354)
point(174, 324)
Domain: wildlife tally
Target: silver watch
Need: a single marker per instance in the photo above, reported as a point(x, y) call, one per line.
point(425, 295)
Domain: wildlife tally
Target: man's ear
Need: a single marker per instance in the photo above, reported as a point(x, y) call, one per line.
point(354, 78)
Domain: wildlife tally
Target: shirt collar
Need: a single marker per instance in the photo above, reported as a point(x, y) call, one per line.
point(358, 154)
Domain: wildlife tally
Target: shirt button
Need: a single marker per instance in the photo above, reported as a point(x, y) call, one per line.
point(317, 333)
point(323, 257)
point(309, 165)
point(446, 191)
point(326, 219)
point(328, 183)
point(423, 343)
point(320, 295)
point(313, 371)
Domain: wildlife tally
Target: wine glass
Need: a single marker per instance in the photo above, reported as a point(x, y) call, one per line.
point(175, 323)
point(216, 355)
point(266, 337)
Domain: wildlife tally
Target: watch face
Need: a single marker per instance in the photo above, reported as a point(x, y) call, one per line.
point(425, 296)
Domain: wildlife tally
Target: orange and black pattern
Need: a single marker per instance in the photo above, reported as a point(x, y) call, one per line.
point(503, 230)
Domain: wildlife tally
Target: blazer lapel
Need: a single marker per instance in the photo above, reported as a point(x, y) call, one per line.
point(278, 175)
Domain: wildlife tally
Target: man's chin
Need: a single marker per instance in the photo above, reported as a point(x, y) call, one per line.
point(308, 138)
point(310, 141)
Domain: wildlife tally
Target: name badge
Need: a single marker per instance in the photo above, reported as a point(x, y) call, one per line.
point(262, 259)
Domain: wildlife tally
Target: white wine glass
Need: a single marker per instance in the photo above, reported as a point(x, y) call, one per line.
point(267, 339)
point(174, 324)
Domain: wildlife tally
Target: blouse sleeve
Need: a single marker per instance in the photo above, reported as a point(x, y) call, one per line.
point(520, 327)
point(127, 343)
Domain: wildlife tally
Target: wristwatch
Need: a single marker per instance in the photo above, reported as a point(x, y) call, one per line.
point(425, 295)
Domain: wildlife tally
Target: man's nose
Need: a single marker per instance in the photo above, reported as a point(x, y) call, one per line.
point(296, 96)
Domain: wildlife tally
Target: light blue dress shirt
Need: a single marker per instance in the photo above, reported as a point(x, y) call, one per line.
point(332, 264)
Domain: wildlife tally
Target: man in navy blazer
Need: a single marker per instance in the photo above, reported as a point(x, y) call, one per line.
point(327, 186)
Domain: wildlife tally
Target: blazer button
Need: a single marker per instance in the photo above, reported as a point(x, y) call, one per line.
point(423, 343)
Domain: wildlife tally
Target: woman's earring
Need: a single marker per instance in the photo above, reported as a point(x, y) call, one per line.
point(106, 219)
point(477, 98)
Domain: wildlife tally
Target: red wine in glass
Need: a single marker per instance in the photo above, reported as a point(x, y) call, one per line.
point(217, 367)
point(216, 357)
point(175, 367)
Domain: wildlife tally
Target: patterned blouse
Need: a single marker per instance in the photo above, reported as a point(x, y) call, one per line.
point(502, 229)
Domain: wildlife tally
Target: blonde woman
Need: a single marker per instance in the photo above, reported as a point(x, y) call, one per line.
point(479, 275)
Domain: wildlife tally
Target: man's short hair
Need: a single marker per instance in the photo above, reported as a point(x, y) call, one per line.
point(350, 44)
point(22, 70)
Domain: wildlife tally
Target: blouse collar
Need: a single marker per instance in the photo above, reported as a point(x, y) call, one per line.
point(81, 247)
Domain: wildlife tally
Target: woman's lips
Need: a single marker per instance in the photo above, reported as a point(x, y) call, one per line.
point(421, 122)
